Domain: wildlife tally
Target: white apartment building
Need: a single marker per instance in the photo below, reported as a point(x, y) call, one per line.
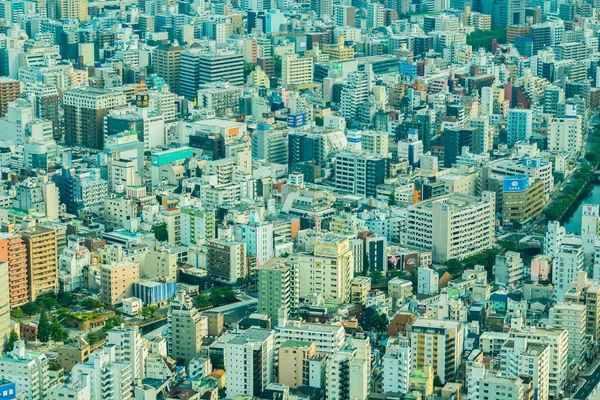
point(553, 237)
point(108, 378)
point(127, 342)
point(296, 71)
point(328, 338)
point(469, 219)
point(558, 340)
point(258, 237)
point(251, 353)
point(349, 370)
point(572, 318)
point(428, 281)
point(497, 387)
point(521, 358)
point(509, 269)
point(565, 135)
point(519, 125)
point(28, 370)
point(329, 270)
point(397, 364)
point(566, 264)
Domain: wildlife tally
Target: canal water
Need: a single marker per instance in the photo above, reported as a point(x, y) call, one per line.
point(573, 224)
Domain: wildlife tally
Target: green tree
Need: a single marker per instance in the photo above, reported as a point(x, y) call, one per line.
point(378, 322)
point(221, 296)
point(30, 309)
point(58, 333)
point(44, 328)
point(93, 338)
point(202, 301)
point(160, 232)
point(17, 313)
point(484, 39)
point(12, 338)
point(319, 121)
point(67, 299)
point(47, 303)
point(437, 382)
point(392, 199)
point(90, 303)
point(376, 276)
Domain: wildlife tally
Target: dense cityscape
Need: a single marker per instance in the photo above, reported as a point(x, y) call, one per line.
point(300, 200)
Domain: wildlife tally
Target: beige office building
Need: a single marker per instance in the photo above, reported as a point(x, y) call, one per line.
point(42, 261)
point(452, 226)
point(116, 281)
point(293, 359)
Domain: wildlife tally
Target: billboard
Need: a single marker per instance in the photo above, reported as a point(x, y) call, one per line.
point(515, 183)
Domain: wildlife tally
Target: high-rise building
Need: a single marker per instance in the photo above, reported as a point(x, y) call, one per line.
point(72, 9)
point(344, 15)
point(322, 7)
point(127, 342)
point(47, 103)
point(226, 260)
point(42, 256)
point(397, 364)
point(258, 237)
point(10, 90)
point(166, 62)
point(270, 144)
point(274, 288)
point(249, 360)
point(5, 325)
point(375, 14)
point(587, 292)
point(565, 135)
point(558, 340)
point(294, 360)
point(186, 329)
point(328, 338)
point(572, 318)
point(521, 358)
point(108, 377)
point(116, 281)
point(348, 371)
point(85, 109)
point(505, 12)
point(196, 224)
point(376, 142)
point(470, 219)
point(329, 270)
point(306, 147)
point(509, 269)
point(519, 125)
point(198, 67)
point(437, 343)
point(29, 370)
point(359, 173)
point(296, 71)
point(354, 93)
point(14, 252)
point(566, 264)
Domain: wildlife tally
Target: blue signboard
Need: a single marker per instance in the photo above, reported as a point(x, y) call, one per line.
point(516, 183)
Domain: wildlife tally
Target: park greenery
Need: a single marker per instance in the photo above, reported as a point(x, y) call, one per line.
point(484, 39)
point(568, 194)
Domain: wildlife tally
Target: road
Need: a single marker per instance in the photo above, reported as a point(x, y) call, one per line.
point(591, 383)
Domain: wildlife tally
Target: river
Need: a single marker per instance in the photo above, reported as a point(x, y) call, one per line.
point(573, 224)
